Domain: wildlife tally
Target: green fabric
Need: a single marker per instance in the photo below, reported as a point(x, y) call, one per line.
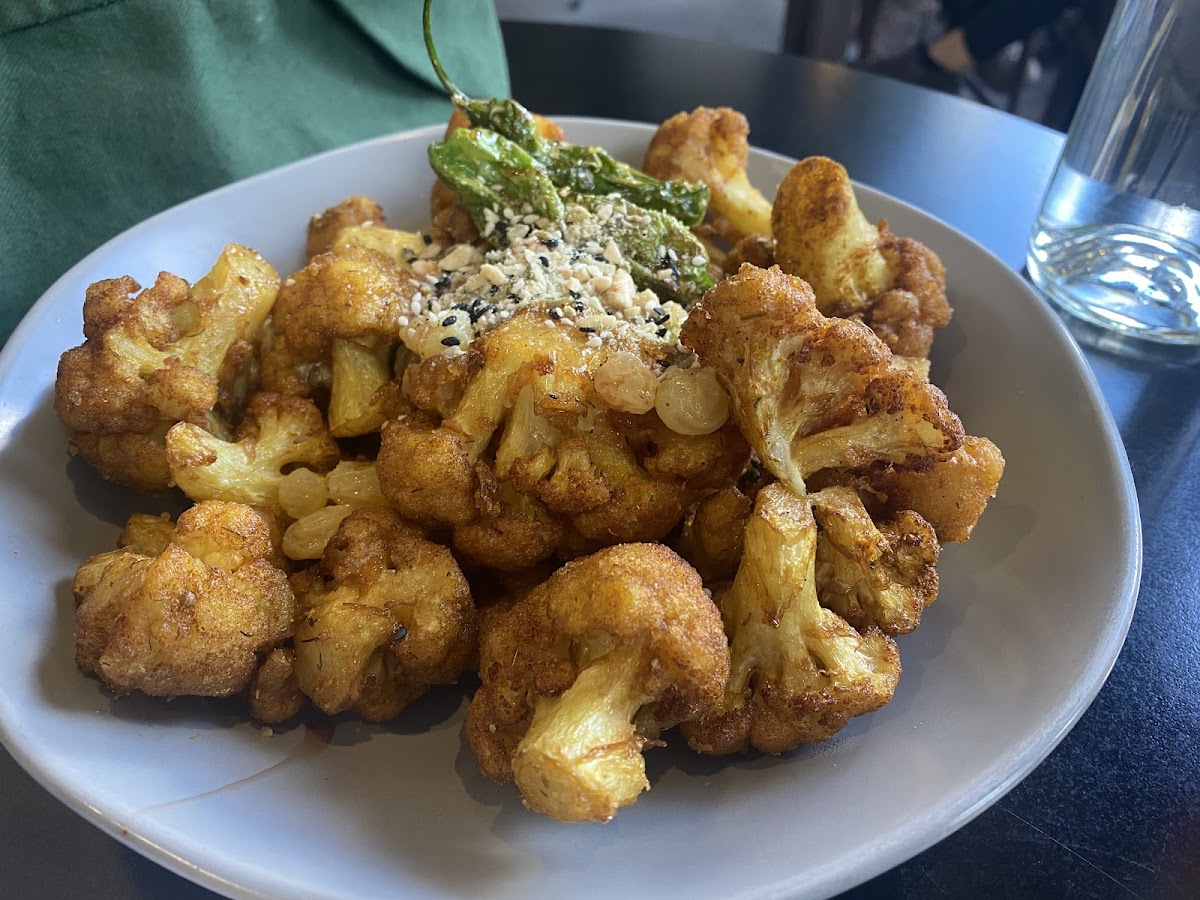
point(111, 110)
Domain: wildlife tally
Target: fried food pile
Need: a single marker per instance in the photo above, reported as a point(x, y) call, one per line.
point(527, 446)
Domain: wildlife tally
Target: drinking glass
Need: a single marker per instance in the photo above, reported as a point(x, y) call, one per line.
point(1117, 240)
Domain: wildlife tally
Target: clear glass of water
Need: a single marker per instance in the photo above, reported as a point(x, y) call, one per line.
point(1117, 241)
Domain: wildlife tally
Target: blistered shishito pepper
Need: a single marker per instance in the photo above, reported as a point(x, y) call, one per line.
point(490, 172)
point(581, 170)
point(661, 253)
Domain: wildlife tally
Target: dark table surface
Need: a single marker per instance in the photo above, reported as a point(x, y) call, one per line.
point(1115, 809)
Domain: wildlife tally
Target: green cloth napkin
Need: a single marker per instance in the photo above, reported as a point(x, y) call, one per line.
point(112, 110)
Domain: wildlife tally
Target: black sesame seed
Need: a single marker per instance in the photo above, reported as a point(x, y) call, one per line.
point(494, 290)
point(578, 307)
point(450, 342)
point(448, 321)
point(442, 284)
point(428, 239)
point(556, 313)
point(544, 261)
point(659, 311)
point(574, 295)
point(662, 332)
point(599, 257)
point(587, 329)
point(551, 243)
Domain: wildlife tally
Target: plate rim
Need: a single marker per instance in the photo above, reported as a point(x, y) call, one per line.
point(904, 847)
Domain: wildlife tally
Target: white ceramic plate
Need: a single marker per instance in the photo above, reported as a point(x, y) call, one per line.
point(1031, 616)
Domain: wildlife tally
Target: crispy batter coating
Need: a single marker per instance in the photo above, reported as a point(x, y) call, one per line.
point(588, 668)
point(274, 695)
point(952, 494)
point(756, 249)
point(811, 392)
point(146, 534)
point(712, 535)
point(278, 432)
point(158, 358)
point(799, 671)
point(522, 450)
point(710, 146)
point(897, 286)
point(323, 229)
point(332, 332)
point(873, 576)
point(192, 619)
point(383, 616)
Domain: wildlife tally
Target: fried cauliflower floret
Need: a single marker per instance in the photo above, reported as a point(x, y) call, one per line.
point(274, 696)
point(756, 249)
point(952, 494)
point(586, 670)
point(897, 286)
point(710, 146)
point(192, 619)
point(524, 448)
point(811, 392)
point(278, 432)
point(401, 247)
point(323, 229)
point(712, 535)
point(171, 353)
point(383, 616)
point(332, 333)
point(873, 576)
point(799, 671)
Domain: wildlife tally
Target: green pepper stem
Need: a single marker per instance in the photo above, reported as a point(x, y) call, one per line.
point(459, 98)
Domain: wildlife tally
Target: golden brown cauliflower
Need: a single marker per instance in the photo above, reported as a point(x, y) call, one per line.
point(586, 670)
point(332, 334)
point(810, 392)
point(873, 576)
point(324, 229)
point(191, 619)
point(952, 494)
point(799, 671)
point(273, 695)
point(712, 535)
point(710, 146)
point(897, 286)
point(384, 615)
point(278, 432)
point(171, 353)
point(527, 444)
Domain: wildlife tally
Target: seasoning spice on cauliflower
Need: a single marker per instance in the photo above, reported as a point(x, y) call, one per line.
point(324, 228)
point(525, 440)
point(873, 576)
point(274, 695)
point(713, 534)
point(896, 286)
point(586, 670)
point(192, 619)
point(799, 672)
point(332, 332)
point(278, 432)
point(811, 392)
point(384, 615)
point(952, 494)
point(171, 353)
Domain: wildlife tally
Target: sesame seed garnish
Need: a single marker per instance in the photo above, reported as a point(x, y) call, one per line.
point(450, 342)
